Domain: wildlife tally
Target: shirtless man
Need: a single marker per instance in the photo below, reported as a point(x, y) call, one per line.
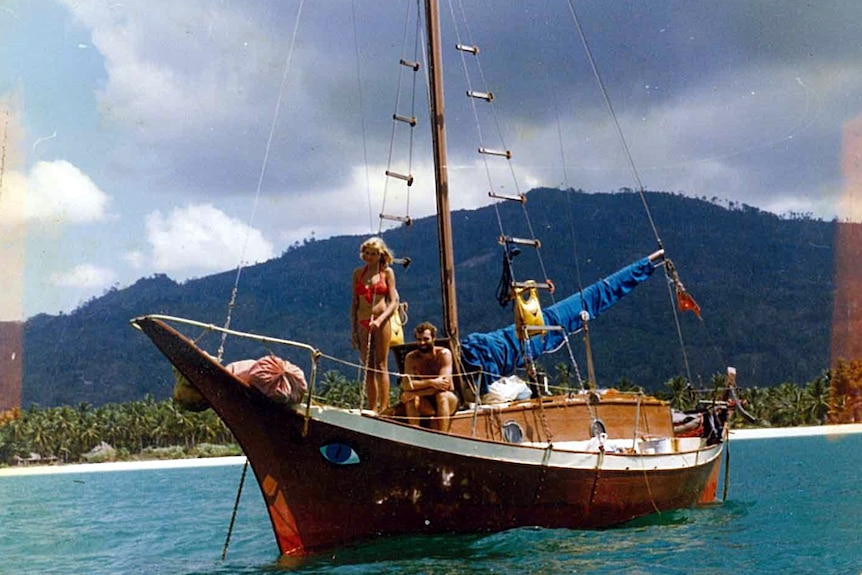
point(428, 389)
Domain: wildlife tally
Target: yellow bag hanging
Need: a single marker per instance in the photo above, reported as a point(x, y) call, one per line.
point(528, 312)
point(396, 324)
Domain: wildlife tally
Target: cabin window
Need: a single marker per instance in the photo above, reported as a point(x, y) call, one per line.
point(512, 432)
point(597, 427)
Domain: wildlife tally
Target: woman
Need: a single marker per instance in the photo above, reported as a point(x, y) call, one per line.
point(375, 299)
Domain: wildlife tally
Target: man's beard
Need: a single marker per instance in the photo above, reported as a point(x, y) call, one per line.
point(425, 347)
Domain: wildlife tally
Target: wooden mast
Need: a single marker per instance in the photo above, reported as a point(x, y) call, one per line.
point(444, 221)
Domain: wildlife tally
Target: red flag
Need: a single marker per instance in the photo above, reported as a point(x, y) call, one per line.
point(685, 302)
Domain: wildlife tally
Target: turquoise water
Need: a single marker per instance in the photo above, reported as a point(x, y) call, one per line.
point(794, 507)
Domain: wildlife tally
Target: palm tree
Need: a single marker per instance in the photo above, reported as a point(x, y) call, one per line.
point(681, 394)
point(783, 405)
point(208, 429)
point(140, 421)
point(625, 384)
point(63, 431)
point(754, 400)
point(815, 400)
point(338, 390)
point(563, 373)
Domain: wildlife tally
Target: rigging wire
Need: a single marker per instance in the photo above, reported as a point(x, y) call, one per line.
point(635, 174)
point(417, 44)
point(395, 122)
point(261, 175)
point(362, 114)
point(468, 80)
point(498, 129)
point(615, 120)
point(235, 508)
point(671, 291)
point(509, 272)
point(239, 268)
point(575, 258)
point(365, 362)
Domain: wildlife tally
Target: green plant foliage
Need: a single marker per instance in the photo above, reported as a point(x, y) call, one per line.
point(135, 430)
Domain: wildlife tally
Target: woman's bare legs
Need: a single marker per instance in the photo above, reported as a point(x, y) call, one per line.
point(381, 353)
point(376, 367)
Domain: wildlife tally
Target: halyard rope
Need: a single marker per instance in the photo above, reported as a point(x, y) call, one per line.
point(235, 507)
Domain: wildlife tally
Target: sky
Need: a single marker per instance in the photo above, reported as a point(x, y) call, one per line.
point(143, 137)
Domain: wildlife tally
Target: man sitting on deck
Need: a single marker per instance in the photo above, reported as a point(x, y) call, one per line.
point(428, 388)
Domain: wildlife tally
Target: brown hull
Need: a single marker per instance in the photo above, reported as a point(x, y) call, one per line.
point(410, 480)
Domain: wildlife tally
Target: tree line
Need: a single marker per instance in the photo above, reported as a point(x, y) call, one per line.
point(144, 429)
point(158, 429)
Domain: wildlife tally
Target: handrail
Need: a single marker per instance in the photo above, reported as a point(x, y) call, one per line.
point(213, 327)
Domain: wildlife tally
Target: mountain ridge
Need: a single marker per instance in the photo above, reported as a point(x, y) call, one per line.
point(748, 269)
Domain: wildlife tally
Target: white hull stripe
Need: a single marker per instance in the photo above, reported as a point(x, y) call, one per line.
point(563, 458)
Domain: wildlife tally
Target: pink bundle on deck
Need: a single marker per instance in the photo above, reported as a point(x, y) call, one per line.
point(240, 369)
point(276, 378)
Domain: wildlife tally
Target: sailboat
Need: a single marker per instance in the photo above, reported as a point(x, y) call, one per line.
point(589, 458)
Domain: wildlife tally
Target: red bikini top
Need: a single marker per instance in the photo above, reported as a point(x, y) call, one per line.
point(369, 291)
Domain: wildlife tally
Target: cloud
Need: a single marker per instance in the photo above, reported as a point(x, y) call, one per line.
point(55, 192)
point(87, 276)
point(354, 208)
point(191, 87)
point(202, 238)
point(135, 259)
point(715, 100)
point(172, 104)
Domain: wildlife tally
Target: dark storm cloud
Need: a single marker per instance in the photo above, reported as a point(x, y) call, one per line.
point(734, 99)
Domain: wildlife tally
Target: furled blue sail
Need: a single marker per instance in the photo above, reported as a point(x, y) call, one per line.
point(498, 353)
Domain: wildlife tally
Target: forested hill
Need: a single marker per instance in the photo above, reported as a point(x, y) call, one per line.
point(764, 284)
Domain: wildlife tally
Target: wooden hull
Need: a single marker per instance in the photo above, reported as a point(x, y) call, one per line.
point(334, 476)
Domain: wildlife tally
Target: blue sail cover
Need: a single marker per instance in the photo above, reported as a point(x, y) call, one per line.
point(498, 353)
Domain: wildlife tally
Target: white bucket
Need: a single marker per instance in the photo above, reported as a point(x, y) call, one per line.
point(659, 445)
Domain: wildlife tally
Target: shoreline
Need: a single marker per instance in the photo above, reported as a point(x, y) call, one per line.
point(735, 435)
point(121, 466)
point(801, 431)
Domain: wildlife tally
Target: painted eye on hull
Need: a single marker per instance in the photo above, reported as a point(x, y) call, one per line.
point(339, 454)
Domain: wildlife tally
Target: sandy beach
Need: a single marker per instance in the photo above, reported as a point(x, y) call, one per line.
point(802, 431)
point(735, 435)
point(121, 466)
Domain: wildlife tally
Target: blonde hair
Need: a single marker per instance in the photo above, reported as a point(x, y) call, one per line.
point(377, 243)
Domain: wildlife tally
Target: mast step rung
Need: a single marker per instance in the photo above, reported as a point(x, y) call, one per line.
point(538, 285)
point(487, 96)
point(406, 119)
point(402, 261)
point(519, 241)
point(466, 48)
point(503, 153)
point(519, 198)
point(410, 64)
point(406, 220)
point(396, 175)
